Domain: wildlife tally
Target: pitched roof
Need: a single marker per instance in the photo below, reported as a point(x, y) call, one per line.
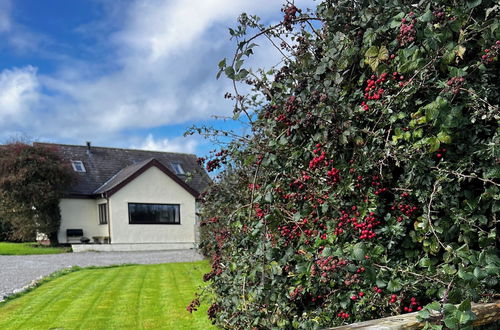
point(108, 168)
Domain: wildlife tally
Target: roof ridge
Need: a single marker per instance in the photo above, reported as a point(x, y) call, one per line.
point(127, 149)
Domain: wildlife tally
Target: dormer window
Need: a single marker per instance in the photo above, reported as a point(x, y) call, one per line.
point(178, 168)
point(78, 166)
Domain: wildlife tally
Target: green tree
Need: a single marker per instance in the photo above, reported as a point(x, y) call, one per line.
point(370, 184)
point(32, 180)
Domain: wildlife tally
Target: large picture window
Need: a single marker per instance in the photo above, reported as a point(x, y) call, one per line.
point(162, 214)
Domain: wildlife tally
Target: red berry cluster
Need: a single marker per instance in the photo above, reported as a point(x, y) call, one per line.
point(366, 227)
point(377, 289)
point(405, 208)
point(333, 176)
point(414, 305)
point(319, 159)
point(297, 292)
point(253, 186)
point(441, 152)
point(454, 85)
point(407, 30)
point(290, 13)
point(373, 89)
point(393, 299)
point(343, 315)
point(209, 221)
point(259, 212)
point(491, 54)
point(439, 15)
point(329, 264)
point(193, 305)
point(213, 164)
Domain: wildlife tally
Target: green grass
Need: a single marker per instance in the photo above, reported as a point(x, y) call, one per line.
point(126, 297)
point(8, 248)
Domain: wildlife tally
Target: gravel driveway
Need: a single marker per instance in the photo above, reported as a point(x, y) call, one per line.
point(17, 272)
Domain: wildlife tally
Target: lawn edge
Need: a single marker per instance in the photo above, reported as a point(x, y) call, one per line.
point(46, 279)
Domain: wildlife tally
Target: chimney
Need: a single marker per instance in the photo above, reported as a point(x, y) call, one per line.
point(88, 147)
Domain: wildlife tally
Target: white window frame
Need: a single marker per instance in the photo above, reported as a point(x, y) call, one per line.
point(177, 167)
point(78, 166)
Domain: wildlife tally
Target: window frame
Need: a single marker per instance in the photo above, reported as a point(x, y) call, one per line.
point(178, 206)
point(178, 169)
point(103, 214)
point(75, 163)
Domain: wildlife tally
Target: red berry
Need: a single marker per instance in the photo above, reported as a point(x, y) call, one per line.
point(361, 294)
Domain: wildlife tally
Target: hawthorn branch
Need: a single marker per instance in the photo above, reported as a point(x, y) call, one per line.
point(429, 207)
point(470, 176)
point(433, 278)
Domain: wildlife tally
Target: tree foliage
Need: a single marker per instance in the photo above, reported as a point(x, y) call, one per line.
point(370, 184)
point(32, 180)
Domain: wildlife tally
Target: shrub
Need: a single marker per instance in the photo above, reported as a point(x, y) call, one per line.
point(370, 184)
point(32, 180)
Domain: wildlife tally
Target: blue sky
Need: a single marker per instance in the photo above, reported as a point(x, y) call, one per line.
point(123, 73)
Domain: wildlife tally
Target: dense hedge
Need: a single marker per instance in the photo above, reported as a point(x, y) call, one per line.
point(370, 184)
point(33, 178)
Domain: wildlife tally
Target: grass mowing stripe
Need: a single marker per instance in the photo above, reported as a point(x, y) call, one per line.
point(37, 303)
point(95, 292)
point(62, 302)
point(122, 316)
point(138, 314)
point(107, 293)
point(126, 297)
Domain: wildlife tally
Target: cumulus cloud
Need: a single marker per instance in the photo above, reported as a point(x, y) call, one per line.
point(160, 70)
point(18, 93)
point(179, 144)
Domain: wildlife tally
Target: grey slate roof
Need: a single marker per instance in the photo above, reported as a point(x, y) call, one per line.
point(107, 167)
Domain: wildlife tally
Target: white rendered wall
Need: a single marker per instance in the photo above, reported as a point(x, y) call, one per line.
point(80, 214)
point(152, 186)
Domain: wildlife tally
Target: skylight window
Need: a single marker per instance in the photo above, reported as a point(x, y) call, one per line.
point(178, 168)
point(78, 166)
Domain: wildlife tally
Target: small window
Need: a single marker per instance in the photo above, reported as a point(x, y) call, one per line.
point(177, 168)
point(103, 214)
point(78, 166)
point(159, 214)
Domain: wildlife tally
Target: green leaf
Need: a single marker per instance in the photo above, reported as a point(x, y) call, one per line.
point(394, 285)
point(465, 305)
point(424, 262)
point(451, 322)
point(433, 144)
point(479, 273)
point(358, 251)
point(435, 306)
point(443, 137)
point(229, 71)
point(222, 64)
point(474, 3)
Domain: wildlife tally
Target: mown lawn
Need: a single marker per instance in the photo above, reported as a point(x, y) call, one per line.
point(126, 297)
point(8, 248)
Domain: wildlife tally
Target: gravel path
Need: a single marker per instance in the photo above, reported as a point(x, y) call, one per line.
point(17, 272)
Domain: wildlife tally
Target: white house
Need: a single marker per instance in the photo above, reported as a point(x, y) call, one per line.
point(124, 200)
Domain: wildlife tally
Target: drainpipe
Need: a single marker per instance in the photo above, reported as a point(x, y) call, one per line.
point(109, 218)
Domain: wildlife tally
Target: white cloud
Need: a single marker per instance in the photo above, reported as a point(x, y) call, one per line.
point(179, 144)
point(18, 93)
point(159, 70)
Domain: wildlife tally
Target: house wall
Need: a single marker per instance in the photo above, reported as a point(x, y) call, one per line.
point(152, 186)
point(80, 214)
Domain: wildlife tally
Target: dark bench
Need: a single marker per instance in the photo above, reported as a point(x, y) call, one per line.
point(74, 234)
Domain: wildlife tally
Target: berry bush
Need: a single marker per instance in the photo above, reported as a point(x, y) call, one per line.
point(369, 185)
